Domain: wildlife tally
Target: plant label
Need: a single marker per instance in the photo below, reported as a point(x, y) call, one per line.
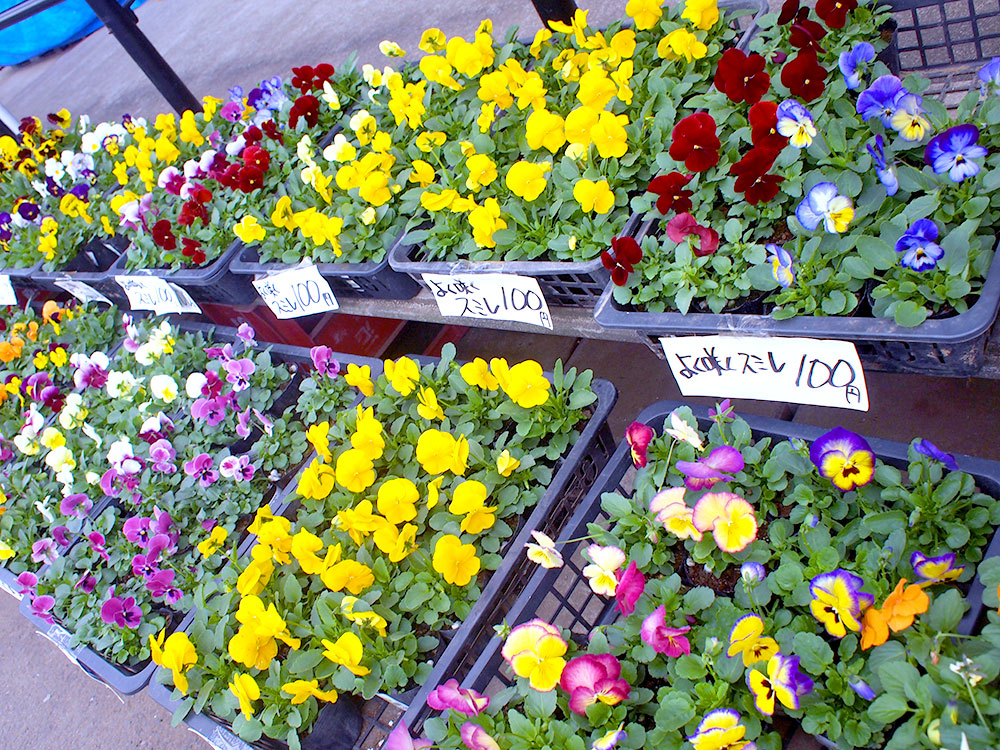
point(7, 296)
point(83, 292)
point(817, 372)
point(490, 296)
point(156, 294)
point(220, 741)
point(10, 589)
point(60, 638)
point(296, 292)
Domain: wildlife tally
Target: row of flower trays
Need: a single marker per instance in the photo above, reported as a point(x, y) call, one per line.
point(751, 578)
point(397, 549)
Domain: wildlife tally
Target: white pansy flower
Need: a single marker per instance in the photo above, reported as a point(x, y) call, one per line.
point(163, 387)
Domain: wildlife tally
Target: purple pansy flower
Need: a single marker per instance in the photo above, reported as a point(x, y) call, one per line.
point(97, 542)
point(44, 551)
point(927, 448)
point(138, 530)
point(862, 688)
point(323, 361)
point(266, 424)
point(86, 583)
point(881, 99)
point(41, 606)
point(705, 472)
point(237, 468)
point(92, 371)
point(954, 150)
point(631, 584)
point(935, 569)
point(121, 612)
point(27, 581)
point(475, 737)
point(162, 454)
point(246, 333)
point(920, 251)
point(145, 565)
point(884, 170)
point(844, 458)
point(156, 428)
point(238, 372)
point(243, 423)
point(224, 352)
point(989, 76)
point(78, 505)
point(450, 696)
point(663, 639)
point(200, 467)
point(211, 410)
point(161, 584)
point(61, 535)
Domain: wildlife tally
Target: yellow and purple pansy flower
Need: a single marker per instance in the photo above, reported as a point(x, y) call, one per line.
point(844, 458)
point(748, 640)
point(721, 730)
point(838, 601)
point(935, 569)
point(783, 682)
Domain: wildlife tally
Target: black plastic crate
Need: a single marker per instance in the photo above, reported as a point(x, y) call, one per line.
point(562, 597)
point(372, 280)
point(577, 473)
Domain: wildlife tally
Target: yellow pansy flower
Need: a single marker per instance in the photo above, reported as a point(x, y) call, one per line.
point(432, 40)
point(249, 230)
point(355, 470)
point(524, 382)
point(703, 14)
point(360, 377)
point(544, 129)
point(579, 123)
point(316, 481)
point(645, 13)
point(402, 374)
point(349, 609)
point(482, 171)
point(348, 574)
point(396, 543)
point(397, 500)
point(594, 197)
point(456, 562)
point(507, 464)
point(347, 651)
point(302, 690)
point(429, 408)
point(526, 179)
point(176, 654)
point(609, 135)
point(216, 538)
point(681, 43)
point(246, 690)
point(359, 521)
point(422, 173)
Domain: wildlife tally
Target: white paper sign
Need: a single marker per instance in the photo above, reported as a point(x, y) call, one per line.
point(7, 296)
point(818, 372)
point(82, 291)
point(10, 589)
point(156, 294)
point(296, 292)
point(220, 741)
point(490, 296)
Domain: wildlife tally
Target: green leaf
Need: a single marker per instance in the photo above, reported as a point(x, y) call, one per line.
point(690, 667)
point(676, 710)
point(698, 598)
point(909, 314)
point(876, 251)
point(887, 708)
point(814, 652)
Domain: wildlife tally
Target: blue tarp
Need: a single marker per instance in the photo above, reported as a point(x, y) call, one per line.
point(59, 25)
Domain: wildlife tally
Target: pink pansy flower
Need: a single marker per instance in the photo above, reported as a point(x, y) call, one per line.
point(475, 737)
point(663, 639)
point(27, 581)
point(399, 739)
point(44, 551)
point(450, 695)
point(639, 436)
point(41, 606)
point(590, 678)
point(162, 454)
point(684, 225)
point(200, 467)
point(631, 584)
point(705, 472)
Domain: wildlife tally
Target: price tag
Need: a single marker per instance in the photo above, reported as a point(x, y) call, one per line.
point(296, 292)
point(7, 296)
point(156, 294)
point(60, 638)
point(818, 372)
point(9, 589)
point(83, 292)
point(490, 296)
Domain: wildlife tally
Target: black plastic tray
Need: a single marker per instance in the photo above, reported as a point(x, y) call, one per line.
point(372, 280)
point(576, 474)
point(561, 595)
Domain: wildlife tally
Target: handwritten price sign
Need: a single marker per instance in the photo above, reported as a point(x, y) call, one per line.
point(156, 294)
point(790, 370)
point(490, 296)
point(296, 292)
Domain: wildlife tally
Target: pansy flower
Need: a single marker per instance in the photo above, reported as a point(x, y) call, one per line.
point(838, 601)
point(677, 517)
point(908, 119)
point(742, 77)
point(784, 682)
point(535, 651)
point(953, 152)
point(834, 12)
point(451, 696)
point(729, 517)
point(685, 228)
point(881, 99)
point(823, 204)
point(782, 264)
point(474, 737)
point(663, 639)
point(122, 612)
point(935, 569)
point(795, 123)
point(989, 76)
point(591, 678)
point(804, 77)
point(41, 607)
point(752, 178)
point(927, 448)
point(885, 169)
point(747, 640)
point(638, 437)
point(853, 63)
point(919, 250)
point(671, 192)
point(862, 688)
point(602, 572)
point(896, 614)
point(608, 740)
point(763, 119)
point(695, 142)
point(631, 584)
point(721, 729)
point(543, 551)
point(680, 430)
point(721, 464)
point(844, 458)
point(806, 34)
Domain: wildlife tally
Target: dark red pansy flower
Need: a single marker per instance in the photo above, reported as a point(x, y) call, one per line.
point(200, 193)
point(270, 129)
point(219, 162)
point(306, 107)
point(251, 179)
point(685, 225)
point(255, 156)
point(670, 188)
point(755, 162)
point(742, 77)
point(27, 125)
point(789, 10)
point(804, 77)
point(834, 12)
point(322, 73)
point(764, 126)
point(763, 189)
point(806, 33)
point(190, 211)
point(192, 249)
point(621, 259)
point(302, 78)
point(231, 177)
point(163, 235)
point(253, 135)
point(695, 142)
